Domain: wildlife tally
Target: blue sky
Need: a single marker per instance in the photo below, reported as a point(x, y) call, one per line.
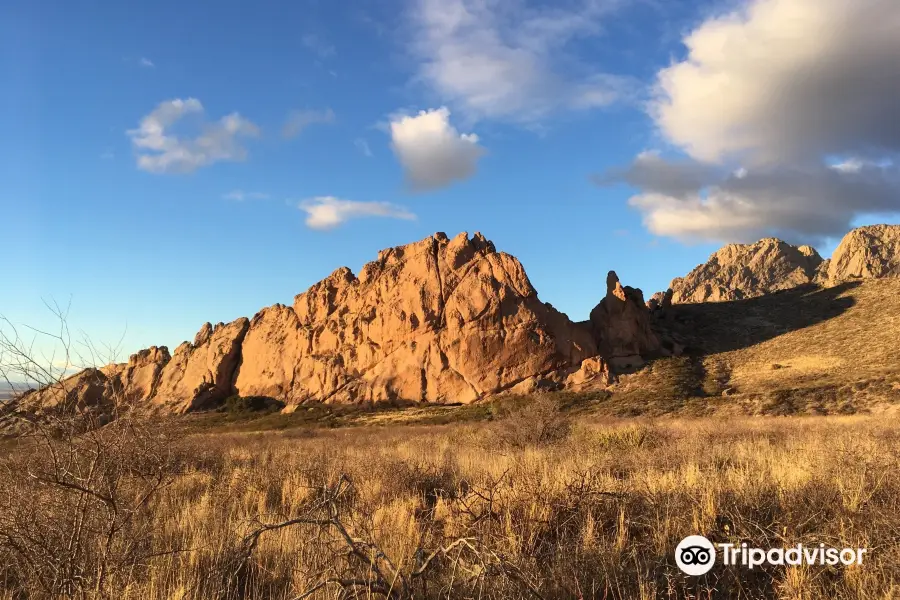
point(166, 164)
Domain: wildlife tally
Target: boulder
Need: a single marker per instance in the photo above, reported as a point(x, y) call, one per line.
point(593, 372)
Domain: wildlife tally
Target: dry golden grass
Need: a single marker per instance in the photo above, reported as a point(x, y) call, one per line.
point(595, 514)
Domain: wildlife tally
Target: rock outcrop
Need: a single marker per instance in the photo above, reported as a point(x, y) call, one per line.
point(866, 252)
point(739, 271)
point(621, 325)
point(201, 374)
point(660, 300)
point(440, 320)
point(87, 388)
point(141, 374)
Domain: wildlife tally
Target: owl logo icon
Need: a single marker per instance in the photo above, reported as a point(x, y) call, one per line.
point(695, 555)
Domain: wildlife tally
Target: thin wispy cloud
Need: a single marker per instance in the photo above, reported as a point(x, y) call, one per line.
point(508, 59)
point(241, 195)
point(146, 62)
point(328, 212)
point(318, 45)
point(299, 120)
point(363, 146)
point(161, 151)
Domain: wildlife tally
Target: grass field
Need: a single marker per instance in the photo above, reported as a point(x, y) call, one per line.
point(531, 505)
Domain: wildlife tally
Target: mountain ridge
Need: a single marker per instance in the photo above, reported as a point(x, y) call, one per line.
point(440, 320)
point(447, 320)
point(739, 271)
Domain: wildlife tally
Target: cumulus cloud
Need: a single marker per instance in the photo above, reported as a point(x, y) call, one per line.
point(432, 152)
point(801, 203)
point(241, 195)
point(299, 120)
point(653, 173)
point(786, 81)
point(328, 212)
point(507, 59)
point(765, 99)
point(161, 151)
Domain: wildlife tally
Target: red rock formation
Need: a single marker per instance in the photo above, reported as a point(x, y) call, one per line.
point(439, 320)
point(621, 325)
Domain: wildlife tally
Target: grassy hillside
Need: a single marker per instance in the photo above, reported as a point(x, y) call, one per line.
point(808, 350)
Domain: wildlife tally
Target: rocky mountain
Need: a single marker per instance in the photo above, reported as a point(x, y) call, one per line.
point(621, 327)
point(739, 271)
point(866, 252)
point(440, 320)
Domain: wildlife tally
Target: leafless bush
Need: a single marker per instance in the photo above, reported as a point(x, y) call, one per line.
point(540, 422)
point(75, 512)
point(353, 566)
point(75, 490)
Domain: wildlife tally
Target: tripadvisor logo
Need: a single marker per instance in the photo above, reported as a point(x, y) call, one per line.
point(696, 555)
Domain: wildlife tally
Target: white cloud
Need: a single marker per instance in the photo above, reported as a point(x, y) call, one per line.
point(432, 152)
point(241, 195)
point(146, 62)
point(328, 212)
point(363, 146)
point(804, 204)
point(507, 59)
point(299, 120)
point(767, 96)
point(64, 368)
point(786, 81)
point(161, 151)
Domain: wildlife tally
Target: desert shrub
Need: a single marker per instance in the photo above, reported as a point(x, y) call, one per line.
point(536, 422)
point(239, 405)
point(630, 437)
point(76, 517)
